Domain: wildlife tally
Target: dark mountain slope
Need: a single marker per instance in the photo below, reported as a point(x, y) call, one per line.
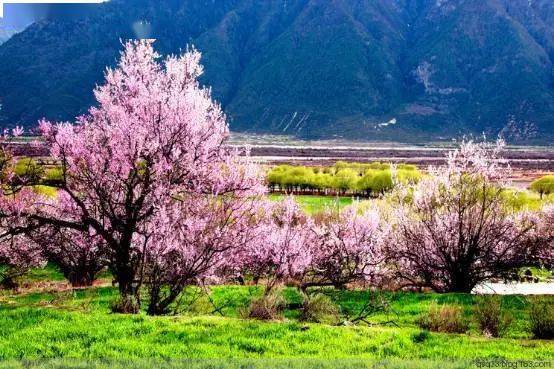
point(336, 62)
point(374, 69)
point(480, 67)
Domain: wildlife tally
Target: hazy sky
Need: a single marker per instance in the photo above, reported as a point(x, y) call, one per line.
point(30, 9)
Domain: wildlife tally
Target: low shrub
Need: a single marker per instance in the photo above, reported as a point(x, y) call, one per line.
point(491, 318)
point(125, 305)
point(541, 315)
point(266, 307)
point(319, 309)
point(8, 283)
point(445, 318)
point(10, 277)
point(420, 336)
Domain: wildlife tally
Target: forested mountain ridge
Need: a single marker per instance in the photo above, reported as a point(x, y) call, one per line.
point(369, 69)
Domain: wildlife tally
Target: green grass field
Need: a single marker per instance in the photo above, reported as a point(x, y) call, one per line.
point(314, 204)
point(522, 200)
point(47, 321)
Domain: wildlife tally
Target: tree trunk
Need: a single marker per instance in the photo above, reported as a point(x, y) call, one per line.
point(460, 282)
point(125, 273)
point(82, 279)
point(160, 305)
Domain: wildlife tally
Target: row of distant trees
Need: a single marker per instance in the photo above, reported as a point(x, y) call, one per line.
point(342, 178)
point(360, 179)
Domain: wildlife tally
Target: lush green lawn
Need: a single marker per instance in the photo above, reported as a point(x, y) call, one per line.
point(315, 204)
point(46, 322)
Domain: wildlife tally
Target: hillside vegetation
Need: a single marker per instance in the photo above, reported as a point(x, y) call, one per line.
point(406, 70)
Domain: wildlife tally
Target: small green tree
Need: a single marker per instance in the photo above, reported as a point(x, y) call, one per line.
point(346, 179)
point(366, 183)
point(382, 181)
point(408, 176)
point(543, 185)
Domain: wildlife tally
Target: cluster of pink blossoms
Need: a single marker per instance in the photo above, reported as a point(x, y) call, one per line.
point(455, 229)
point(335, 249)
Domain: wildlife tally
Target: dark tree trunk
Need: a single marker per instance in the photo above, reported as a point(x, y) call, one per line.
point(81, 279)
point(125, 273)
point(82, 275)
point(159, 305)
point(9, 283)
point(460, 282)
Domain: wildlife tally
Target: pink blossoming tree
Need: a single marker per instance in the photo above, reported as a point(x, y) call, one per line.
point(155, 138)
point(198, 238)
point(80, 254)
point(283, 250)
point(543, 237)
point(17, 253)
point(453, 230)
point(347, 246)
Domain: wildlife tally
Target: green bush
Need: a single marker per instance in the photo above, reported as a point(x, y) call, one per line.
point(518, 200)
point(319, 309)
point(543, 185)
point(125, 305)
point(445, 318)
point(541, 315)
point(420, 337)
point(267, 307)
point(491, 318)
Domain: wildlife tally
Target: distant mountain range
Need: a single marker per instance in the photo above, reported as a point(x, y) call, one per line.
point(367, 69)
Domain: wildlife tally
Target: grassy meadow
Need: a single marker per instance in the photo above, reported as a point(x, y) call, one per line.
point(314, 204)
point(46, 319)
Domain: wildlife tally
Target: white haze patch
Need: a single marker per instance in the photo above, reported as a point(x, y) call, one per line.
point(142, 29)
point(2, 2)
point(389, 123)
